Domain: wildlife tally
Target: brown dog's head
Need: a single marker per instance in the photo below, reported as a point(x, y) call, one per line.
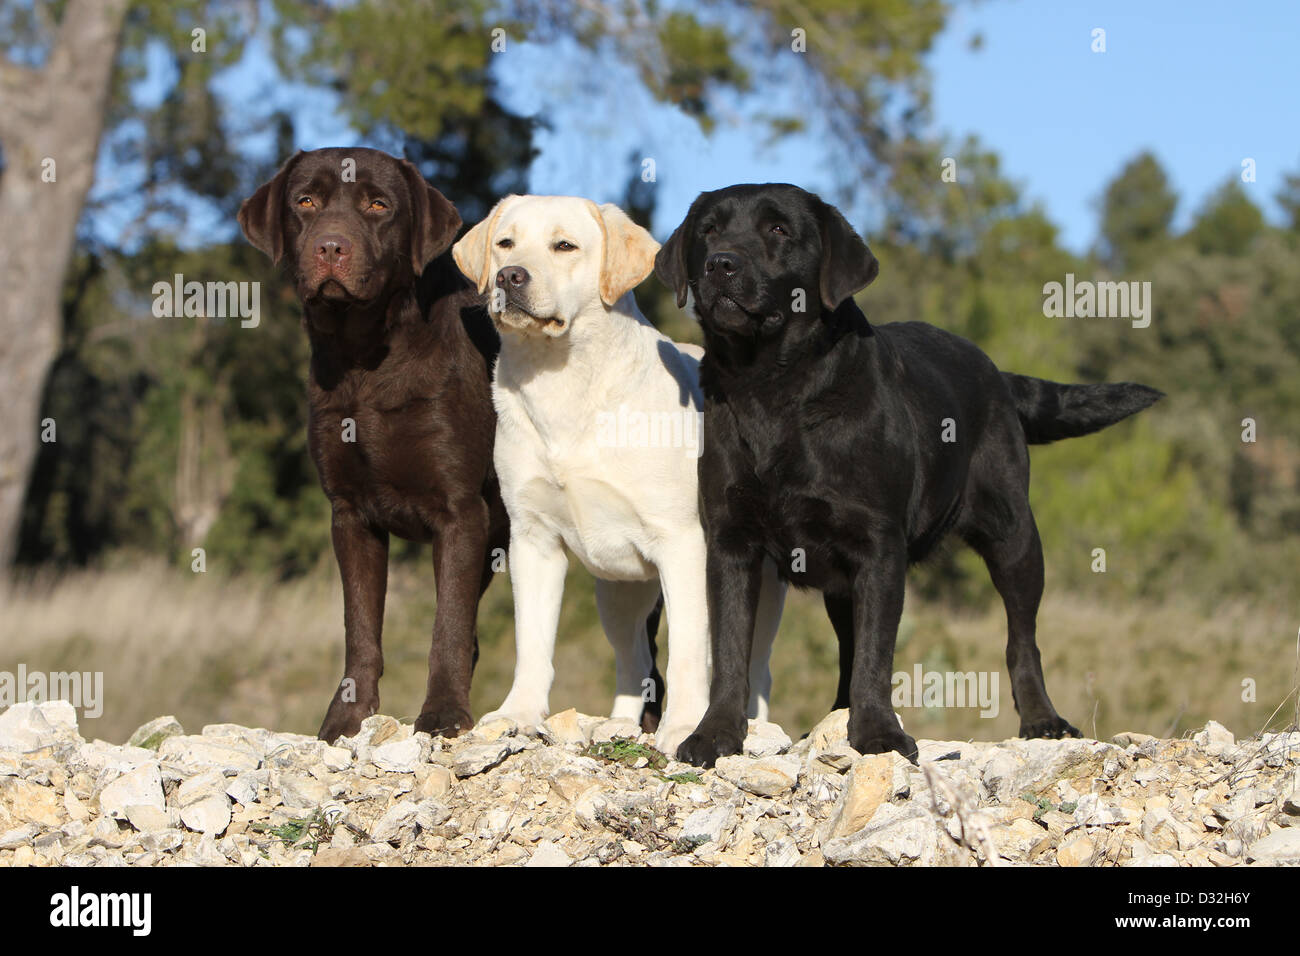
point(352, 223)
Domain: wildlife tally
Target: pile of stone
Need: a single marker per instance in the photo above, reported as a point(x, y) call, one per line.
point(593, 792)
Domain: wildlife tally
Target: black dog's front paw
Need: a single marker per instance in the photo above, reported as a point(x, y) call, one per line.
point(708, 743)
point(874, 739)
point(1053, 728)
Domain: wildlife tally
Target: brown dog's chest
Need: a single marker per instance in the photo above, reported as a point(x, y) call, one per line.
point(373, 438)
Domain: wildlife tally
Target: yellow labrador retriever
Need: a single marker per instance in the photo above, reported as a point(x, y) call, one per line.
point(596, 447)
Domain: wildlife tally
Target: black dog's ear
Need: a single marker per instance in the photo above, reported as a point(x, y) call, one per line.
point(261, 214)
point(434, 220)
point(847, 264)
point(670, 261)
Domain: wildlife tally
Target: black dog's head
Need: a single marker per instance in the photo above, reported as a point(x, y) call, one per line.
point(757, 259)
point(356, 223)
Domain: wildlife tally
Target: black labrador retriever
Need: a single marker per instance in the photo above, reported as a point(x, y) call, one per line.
point(846, 451)
point(401, 421)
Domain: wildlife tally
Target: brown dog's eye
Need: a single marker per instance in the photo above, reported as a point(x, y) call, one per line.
point(305, 202)
point(506, 244)
point(564, 245)
point(378, 204)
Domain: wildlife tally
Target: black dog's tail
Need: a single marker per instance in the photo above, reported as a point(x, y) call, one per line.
point(1050, 411)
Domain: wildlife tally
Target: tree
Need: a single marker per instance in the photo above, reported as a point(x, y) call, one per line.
point(51, 118)
point(1228, 222)
point(1136, 211)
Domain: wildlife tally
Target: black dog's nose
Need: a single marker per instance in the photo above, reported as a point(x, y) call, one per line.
point(726, 261)
point(512, 275)
point(333, 246)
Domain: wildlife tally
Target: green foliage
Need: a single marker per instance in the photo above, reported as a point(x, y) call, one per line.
point(1136, 211)
point(1228, 223)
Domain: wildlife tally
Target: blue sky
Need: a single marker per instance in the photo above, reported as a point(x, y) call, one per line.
point(1202, 84)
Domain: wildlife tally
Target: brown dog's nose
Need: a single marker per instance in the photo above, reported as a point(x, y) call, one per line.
point(726, 261)
point(512, 275)
point(332, 247)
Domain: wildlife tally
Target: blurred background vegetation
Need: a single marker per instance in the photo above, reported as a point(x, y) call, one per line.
point(177, 433)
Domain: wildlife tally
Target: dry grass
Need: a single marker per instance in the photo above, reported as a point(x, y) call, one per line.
point(210, 649)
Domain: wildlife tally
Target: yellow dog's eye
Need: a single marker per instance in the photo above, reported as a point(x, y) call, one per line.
point(305, 201)
point(564, 245)
point(506, 244)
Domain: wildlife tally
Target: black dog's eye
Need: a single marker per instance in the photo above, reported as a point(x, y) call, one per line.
point(378, 205)
point(564, 245)
point(709, 230)
point(305, 202)
point(506, 244)
point(780, 230)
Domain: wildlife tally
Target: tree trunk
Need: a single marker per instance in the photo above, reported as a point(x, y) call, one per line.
point(55, 113)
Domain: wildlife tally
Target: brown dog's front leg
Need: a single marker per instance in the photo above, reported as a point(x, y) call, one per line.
point(362, 554)
point(458, 550)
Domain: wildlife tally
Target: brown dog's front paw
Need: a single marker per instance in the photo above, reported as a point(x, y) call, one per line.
point(444, 721)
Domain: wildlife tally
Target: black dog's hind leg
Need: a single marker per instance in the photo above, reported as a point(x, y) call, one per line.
point(1015, 563)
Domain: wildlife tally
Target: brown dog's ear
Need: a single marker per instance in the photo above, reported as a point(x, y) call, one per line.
point(434, 220)
point(670, 263)
point(473, 254)
point(261, 214)
point(628, 256)
point(847, 264)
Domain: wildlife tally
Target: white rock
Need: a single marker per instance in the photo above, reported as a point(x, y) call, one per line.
point(31, 726)
point(476, 758)
point(896, 836)
point(549, 853)
point(18, 836)
point(195, 754)
point(300, 791)
point(564, 728)
point(782, 852)
point(708, 823)
point(336, 758)
point(397, 824)
point(209, 814)
point(146, 819)
point(1281, 846)
point(765, 739)
point(1214, 734)
point(400, 756)
point(139, 787)
point(766, 777)
point(615, 727)
point(155, 732)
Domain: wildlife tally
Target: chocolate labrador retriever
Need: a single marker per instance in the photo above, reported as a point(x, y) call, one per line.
point(846, 451)
point(401, 423)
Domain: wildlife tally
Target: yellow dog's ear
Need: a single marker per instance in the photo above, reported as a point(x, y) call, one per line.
point(473, 253)
point(629, 253)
